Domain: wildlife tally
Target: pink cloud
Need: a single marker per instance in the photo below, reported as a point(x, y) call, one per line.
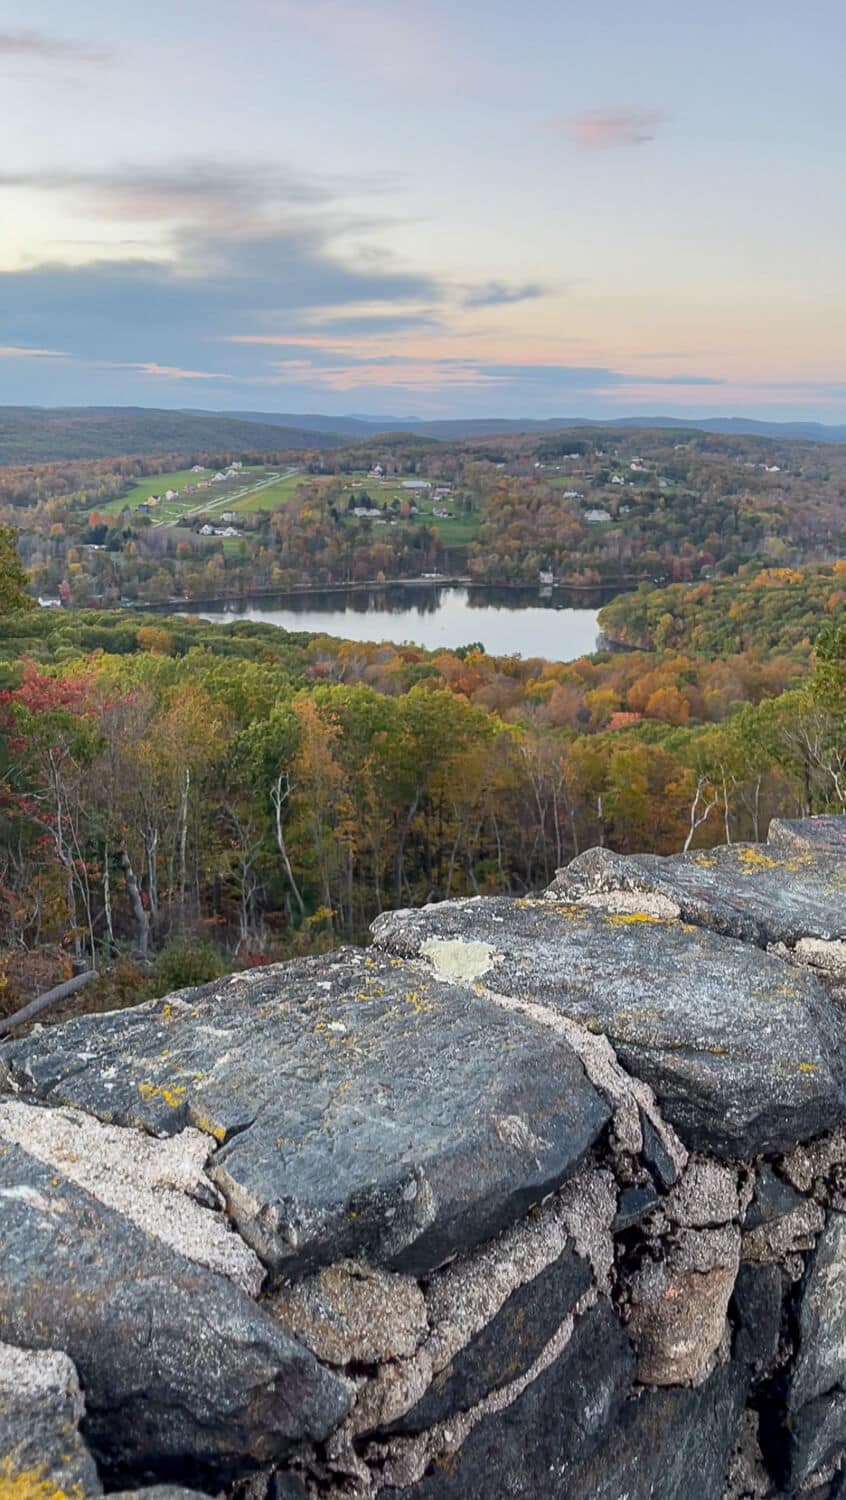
point(383, 39)
point(602, 130)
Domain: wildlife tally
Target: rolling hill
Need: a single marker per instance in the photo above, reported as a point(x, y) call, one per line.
point(34, 434)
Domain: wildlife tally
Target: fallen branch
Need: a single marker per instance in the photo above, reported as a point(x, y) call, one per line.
point(43, 1002)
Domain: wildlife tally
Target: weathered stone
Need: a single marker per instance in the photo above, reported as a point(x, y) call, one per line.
point(825, 832)
point(820, 1363)
point(529, 1447)
point(818, 1438)
point(471, 1301)
point(743, 1052)
point(350, 1313)
point(772, 1199)
point(762, 895)
point(367, 1109)
point(679, 1306)
point(666, 1445)
point(707, 1194)
point(160, 1186)
point(41, 1452)
point(757, 1300)
point(181, 1371)
point(635, 1203)
point(813, 1164)
point(505, 1348)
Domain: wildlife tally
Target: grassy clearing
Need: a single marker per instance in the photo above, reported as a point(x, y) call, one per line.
point(154, 484)
point(274, 495)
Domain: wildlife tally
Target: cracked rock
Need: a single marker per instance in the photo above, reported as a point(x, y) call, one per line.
point(742, 1052)
point(366, 1109)
point(177, 1364)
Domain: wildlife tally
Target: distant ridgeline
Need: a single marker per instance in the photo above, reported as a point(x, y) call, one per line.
point(540, 1197)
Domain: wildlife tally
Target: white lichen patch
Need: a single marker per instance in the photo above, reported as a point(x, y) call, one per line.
point(34, 1374)
point(820, 953)
point(153, 1183)
point(458, 959)
point(633, 903)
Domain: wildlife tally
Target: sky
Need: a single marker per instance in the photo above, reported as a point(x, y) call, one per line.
point(433, 208)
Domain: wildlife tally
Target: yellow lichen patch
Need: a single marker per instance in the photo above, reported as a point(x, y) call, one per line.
point(625, 919)
point(172, 1097)
point(202, 1122)
point(417, 1003)
point(32, 1484)
point(807, 1067)
point(704, 859)
point(753, 859)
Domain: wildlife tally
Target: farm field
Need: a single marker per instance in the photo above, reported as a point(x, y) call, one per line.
point(223, 496)
point(272, 495)
point(154, 484)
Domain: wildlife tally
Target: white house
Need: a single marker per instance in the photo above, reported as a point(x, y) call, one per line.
point(597, 517)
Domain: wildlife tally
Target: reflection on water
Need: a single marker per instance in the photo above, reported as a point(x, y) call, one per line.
point(505, 621)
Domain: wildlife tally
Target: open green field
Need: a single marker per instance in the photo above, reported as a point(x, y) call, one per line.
point(223, 496)
point(270, 497)
point(154, 484)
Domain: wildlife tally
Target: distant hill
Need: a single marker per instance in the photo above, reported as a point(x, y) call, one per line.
point(466, 427)
point(36, 434)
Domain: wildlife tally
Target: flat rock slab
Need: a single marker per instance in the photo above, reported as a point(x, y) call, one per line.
point(365, 1108)
point(740, 1048)
point(762, 894)
point(180, 1369)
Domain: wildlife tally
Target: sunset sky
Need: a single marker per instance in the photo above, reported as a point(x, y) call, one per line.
point(414, 207)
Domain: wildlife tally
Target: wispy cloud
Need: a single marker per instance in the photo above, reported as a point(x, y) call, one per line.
point(24, 351)
point(603, 130)
point(377, 37)
point(40, 44)
point(499, 294)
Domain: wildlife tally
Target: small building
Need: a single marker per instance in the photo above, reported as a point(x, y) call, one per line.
point(198, 469)
point(416, 484)
point(617, 479)
point(229, 518)
point(597, 517)
point(546, 577)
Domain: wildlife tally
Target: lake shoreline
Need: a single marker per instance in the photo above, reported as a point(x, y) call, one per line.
point(245, 598)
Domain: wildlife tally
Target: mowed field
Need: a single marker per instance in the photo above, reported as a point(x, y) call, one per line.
point(190, 500)
point(456, 531)
point(154, 484)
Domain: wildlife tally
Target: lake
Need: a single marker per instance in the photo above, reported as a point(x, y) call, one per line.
point(505, 621)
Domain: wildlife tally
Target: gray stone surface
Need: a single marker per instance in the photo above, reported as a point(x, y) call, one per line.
point(367, 1110)
point(745, 1054)
point(537, 1441)
point(820, 1364)
point(505, 1348)
point(757, 1301)
point(179, 1367)
point(818, 1438)
point(778, 893)
point(42, 1454)
point(666, 1445)
point(825, 832)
